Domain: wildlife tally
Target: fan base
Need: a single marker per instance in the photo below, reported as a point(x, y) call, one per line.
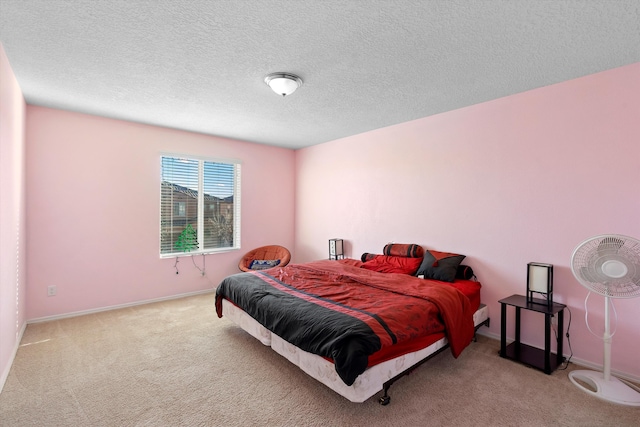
point(612, 390)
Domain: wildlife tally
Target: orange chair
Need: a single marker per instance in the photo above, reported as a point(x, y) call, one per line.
point(270, 253)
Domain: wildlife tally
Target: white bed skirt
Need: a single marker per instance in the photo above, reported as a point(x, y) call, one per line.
point(366, 385)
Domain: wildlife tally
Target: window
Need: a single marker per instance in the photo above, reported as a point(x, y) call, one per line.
point(179, 209)
point(199, 206)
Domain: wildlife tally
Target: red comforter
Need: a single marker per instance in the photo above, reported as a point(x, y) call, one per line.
point(346, 313)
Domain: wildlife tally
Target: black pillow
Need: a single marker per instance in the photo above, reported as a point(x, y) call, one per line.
point(464, 272)
point(440, 265)
point(263, 264)
point(367, 257)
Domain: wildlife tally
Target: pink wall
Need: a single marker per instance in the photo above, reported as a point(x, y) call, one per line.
point(93, 188)
point(519, 179)
point(12, 216)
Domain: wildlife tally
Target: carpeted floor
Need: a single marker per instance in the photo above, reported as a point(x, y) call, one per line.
point(174, 363)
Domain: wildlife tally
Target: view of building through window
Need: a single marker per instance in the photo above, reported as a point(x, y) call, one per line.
point(199, 208)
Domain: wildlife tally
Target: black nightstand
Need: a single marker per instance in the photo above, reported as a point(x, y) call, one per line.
point(532, 356)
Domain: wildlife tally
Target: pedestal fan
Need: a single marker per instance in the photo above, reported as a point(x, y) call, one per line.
point(608, 265)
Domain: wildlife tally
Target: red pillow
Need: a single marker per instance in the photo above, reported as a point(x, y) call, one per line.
point(399, 249)
point(393, 264)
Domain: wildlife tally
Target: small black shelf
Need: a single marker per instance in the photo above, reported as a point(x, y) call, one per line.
point(532, 356)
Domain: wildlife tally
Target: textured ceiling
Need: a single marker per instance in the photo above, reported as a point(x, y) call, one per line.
point(199, 65)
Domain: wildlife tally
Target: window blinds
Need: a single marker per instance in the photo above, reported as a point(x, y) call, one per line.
point(199, 206)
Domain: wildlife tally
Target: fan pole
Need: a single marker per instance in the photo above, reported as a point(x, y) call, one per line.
point(607, 341)
point(603, 385)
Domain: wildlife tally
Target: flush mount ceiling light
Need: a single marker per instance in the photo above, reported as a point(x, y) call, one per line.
point(283, 83)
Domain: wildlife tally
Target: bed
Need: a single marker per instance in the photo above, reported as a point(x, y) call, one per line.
point(354, 328)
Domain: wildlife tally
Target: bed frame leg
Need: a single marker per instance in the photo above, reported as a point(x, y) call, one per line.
point(385, 399)
point(485, 323)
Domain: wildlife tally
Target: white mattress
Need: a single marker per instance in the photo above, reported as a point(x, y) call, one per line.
point(366, 385)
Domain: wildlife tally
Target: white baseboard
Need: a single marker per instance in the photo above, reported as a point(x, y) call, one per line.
point(596, 367)
point(577, 361)
point(7, 368)
point(115, 307)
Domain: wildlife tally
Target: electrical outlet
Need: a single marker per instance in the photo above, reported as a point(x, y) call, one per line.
point(554, 320)
point(52, 290)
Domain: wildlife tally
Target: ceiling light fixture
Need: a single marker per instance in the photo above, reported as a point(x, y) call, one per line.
point(283, 83)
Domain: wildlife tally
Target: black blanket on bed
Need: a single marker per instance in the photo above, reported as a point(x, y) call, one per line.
point(311, 327)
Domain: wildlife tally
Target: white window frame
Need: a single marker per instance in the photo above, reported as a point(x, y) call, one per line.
point(201, 203)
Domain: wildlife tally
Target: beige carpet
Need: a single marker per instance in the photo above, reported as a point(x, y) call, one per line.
point(175, 363)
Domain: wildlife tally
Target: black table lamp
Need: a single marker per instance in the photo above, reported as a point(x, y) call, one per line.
point(336, 249)
point(540, 283)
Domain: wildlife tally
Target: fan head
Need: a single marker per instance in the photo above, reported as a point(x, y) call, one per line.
point(609, 265)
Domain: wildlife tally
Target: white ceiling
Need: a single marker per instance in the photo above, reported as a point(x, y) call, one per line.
point(199, 65)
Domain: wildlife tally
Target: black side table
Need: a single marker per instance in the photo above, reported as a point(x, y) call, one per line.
point(526, 354)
